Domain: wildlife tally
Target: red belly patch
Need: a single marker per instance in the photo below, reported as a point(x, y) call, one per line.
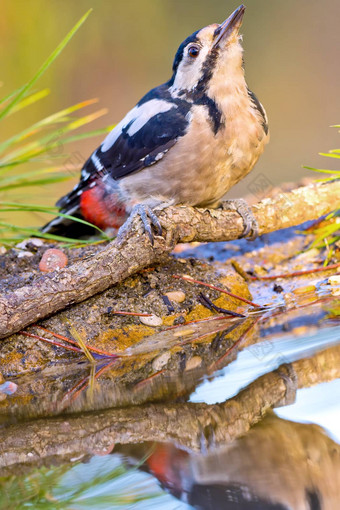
point(103, 209)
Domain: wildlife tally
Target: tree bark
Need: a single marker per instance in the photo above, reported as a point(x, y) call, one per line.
point(53, 292)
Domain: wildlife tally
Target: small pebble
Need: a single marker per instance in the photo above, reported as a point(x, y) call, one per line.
point(22, 245)
point(8, 388)
point(334, 281)
point(159, 362)
point(36, 242)
point(176, 295)
point(194, 362)
point(183, 332)
point(52, 260)
point(304, 290)
point(23, 254)
point(153, 321)
point(32, 240)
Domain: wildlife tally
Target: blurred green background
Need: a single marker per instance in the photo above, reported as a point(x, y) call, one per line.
point(127, 47)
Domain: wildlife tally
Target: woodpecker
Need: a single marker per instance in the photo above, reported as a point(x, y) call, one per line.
point(186, 142)
point(277, 465)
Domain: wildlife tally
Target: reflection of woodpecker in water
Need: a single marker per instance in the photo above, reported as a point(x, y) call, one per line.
point(277, 465)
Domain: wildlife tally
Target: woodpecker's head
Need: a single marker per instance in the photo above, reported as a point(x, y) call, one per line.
point(210, 54)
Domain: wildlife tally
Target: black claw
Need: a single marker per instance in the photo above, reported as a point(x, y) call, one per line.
point(159, 228)
point(148, 218)
point(155, 222)
point(255, 231)
point(150, 234)
point(242, 208)
point(247, 229)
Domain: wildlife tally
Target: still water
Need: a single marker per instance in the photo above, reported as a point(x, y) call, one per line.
point(181, 454)
point(269, 463)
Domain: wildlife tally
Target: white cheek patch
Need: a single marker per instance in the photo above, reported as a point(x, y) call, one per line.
point(137, 117)
point(189, 71)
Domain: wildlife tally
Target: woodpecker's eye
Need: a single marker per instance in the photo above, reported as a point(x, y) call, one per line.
point(193, 51)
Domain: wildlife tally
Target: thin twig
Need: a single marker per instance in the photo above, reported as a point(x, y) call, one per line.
point(133, 314)
point(296, 273)
point(216, 364)
point(205, 301)
point(219, 289)
point(53, 342)
point(145, 381)
point(73, 342)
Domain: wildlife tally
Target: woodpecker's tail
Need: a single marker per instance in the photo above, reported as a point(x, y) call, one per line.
point(97, 202)
point(66, 227)
point(97, 198)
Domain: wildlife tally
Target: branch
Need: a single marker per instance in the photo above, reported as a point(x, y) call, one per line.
point(53, 292)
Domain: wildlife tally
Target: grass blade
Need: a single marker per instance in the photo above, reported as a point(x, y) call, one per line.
point(44, 66)
point(24, 183)
point(30, 231)
point(322, 170)
point(15, 207)
point(55, 170)
point(48, 142)
point(31, 99)
point(11, 94)
point(328, 155)
point(55, 118)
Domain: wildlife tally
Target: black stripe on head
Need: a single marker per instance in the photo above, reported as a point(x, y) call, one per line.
point(199, 96)
point(208, 68)
point(179, 55)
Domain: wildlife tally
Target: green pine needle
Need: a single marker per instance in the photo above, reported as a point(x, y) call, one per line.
point(23, 90)
point(37, 144)
point(328, 234)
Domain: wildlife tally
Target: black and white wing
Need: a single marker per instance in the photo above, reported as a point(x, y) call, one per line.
point(141, 139)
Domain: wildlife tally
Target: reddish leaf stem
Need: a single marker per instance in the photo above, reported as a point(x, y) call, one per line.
point(47, 340)
point(72, 342)
point(192, 280)
point(216, 364)
point(296, 273)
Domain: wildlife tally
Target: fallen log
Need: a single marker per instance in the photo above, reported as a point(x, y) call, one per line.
point(53, 292)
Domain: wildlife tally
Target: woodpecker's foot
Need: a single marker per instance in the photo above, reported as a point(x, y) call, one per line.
point(148, 218)
point(242, 208)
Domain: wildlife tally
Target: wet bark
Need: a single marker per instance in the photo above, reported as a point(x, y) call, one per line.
point(53, 292)
point(192, 426)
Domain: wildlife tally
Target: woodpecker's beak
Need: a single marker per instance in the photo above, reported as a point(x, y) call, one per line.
point(230, 27)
